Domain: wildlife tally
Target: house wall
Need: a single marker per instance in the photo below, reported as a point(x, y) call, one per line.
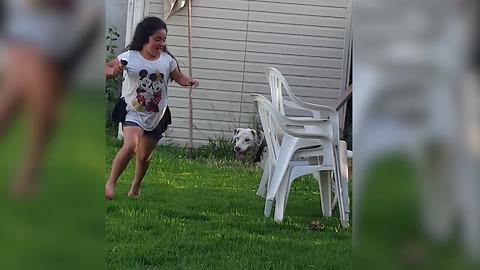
point(116, 15)
point(232, 43)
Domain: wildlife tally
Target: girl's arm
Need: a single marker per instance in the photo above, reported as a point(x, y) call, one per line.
point(113, 68)
point(181, 79)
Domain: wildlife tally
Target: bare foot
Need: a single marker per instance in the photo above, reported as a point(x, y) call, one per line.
point(24, 185)
point(23, 190)
point(109, 190)
point(133, 195)
point(134, 192)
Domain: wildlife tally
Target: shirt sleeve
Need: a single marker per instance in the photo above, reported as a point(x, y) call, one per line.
point(173, 64)
point(124, 56)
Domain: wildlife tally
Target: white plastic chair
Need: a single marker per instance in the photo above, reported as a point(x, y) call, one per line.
point(313, 142)
point(278, 83)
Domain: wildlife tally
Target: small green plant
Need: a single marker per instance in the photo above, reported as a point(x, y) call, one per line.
point(218, 148)
point(112, 84)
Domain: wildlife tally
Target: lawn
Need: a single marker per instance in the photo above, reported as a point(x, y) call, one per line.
point(204, 214)
point(62, 225)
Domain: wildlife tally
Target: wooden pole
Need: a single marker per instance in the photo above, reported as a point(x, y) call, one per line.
point(344, 97)
point(190, 105)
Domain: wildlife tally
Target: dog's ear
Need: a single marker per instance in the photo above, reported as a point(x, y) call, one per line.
point(258, 136)
point(235, 132)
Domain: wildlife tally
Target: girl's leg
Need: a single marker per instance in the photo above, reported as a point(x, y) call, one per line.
point(11, 90)
point(9, 105)
point(44, 88)
point(131, 140)
point(144, 155)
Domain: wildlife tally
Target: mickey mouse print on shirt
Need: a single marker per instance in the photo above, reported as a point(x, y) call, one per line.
point(149, 91)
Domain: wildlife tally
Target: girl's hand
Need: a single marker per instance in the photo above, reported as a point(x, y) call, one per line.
point(183, 80)
point(193, 83)
point(114, 68)
point(117, 70)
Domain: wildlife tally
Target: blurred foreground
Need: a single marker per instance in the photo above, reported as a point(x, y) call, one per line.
point(51, 135)
point(416, 135)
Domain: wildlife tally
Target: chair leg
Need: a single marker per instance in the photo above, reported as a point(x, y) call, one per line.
point(339, 188)
point(316, 175)
point(325, 185)
point(281, 200)
point(335, 200)
point(344, 177)
point(268, 208)
point(285, 155)
point(262, 187)
point(287, 194)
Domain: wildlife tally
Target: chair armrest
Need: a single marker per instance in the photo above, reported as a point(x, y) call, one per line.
point(315, 109)
point(325, 127)
point(294, 105)
point(305, 121)
point(308, 135)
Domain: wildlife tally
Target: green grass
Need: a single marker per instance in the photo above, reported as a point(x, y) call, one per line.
point(62, 226)
point(204, 214)
point(389, 231)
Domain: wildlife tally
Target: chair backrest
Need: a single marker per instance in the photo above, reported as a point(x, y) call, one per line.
point(271, 126)
point(277, 82)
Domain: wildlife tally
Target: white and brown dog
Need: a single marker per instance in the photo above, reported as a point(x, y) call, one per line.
point(250, 142)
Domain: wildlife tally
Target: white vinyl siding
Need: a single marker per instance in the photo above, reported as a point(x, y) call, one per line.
point(305, 40)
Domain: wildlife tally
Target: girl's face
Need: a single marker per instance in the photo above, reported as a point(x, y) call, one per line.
point(156, 42)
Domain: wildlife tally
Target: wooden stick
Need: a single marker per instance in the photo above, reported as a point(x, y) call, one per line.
point(344, 98)
point(190, 104)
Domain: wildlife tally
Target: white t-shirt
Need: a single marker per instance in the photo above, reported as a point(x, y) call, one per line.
point(145, 87)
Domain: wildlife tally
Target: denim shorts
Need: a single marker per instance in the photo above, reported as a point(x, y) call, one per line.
point(157, 132)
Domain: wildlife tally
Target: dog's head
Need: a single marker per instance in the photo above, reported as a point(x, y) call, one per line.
point(246, 140)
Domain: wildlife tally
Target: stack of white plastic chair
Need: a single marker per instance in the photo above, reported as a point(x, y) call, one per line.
point(283, 150)
point(276, 183)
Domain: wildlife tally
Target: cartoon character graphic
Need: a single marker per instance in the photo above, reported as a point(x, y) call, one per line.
point(145, 80)
point(149, 92)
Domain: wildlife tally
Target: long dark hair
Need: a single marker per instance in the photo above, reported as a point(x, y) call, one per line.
point(144, 30)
